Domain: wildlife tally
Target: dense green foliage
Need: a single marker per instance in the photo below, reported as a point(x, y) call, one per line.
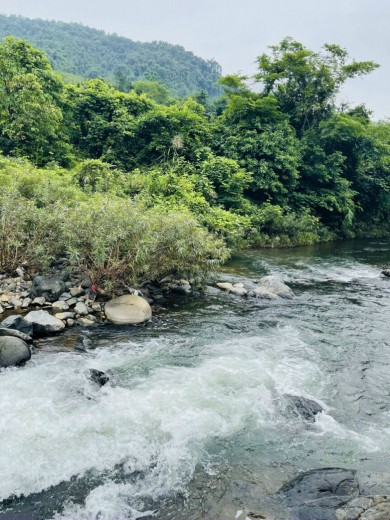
point(137, 184)
point(83, 52)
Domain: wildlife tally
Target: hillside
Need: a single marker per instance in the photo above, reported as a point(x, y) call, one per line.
point(78, 50)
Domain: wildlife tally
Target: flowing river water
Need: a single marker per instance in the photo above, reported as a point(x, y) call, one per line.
point(193, 423)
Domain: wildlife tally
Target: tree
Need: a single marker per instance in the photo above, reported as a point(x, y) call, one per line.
point(305, 83)
point(30, 98)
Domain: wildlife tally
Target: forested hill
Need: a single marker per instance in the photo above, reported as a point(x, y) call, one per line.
point(76, 49)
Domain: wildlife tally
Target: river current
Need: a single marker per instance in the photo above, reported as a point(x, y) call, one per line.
point(194, 423)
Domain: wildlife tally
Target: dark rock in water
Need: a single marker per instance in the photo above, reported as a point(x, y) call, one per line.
point(306, 408)
point(99, 377)
point(319, 493)
point(49, 287)
point(14, 352)
point(386, 272)
point(17, 322)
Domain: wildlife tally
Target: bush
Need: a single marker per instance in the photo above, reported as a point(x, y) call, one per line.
point(116, 241)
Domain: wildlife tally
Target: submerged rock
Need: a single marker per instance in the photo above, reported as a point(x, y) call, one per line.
point(14, 352)
point(128, 310)
point(44, 323)
point(48, 287)
point(303, 407)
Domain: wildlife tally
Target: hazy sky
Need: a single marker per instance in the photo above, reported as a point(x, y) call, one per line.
point(235, 32)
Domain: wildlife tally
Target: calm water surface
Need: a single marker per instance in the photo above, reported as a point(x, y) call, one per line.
point(193, 423)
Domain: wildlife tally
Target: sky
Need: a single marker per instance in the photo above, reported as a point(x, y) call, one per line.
point(235, 32)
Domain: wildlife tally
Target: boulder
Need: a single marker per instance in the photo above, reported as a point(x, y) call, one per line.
point(14, 352)
point(48, 287)
point(128, 310)
point(272, 286)
point(17, 322)
point(302, 407)
point(44, 323)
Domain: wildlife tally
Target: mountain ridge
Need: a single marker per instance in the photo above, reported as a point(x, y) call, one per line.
point(76, 49)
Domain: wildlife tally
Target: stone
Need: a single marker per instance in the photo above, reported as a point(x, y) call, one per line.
point(99, 377)
point(81, 309)
point(239, 291)
point(1, 309)
point(15, 302)
point(64, 315)
point(40, 300)
point(61, 305)
point(70, 322)
point(72, 301)
point(20, 272)
point(5, 297)
point(303, 407)
point(76, 291)
point(273, 286)
point(65, 296)
point(96, 307)
point(17, 322)
point(86, 283)
point(50, 288)
point(167, 279)
point(85, 321)
point(128, 310)
point(26, 303)
point(44, 323)
point(225, 286)
point(386, 272)
point(14, 352)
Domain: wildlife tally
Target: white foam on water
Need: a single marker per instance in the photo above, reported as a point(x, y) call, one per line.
point(55, 423)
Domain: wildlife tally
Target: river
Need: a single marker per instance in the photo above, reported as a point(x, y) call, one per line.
point(193, 423)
